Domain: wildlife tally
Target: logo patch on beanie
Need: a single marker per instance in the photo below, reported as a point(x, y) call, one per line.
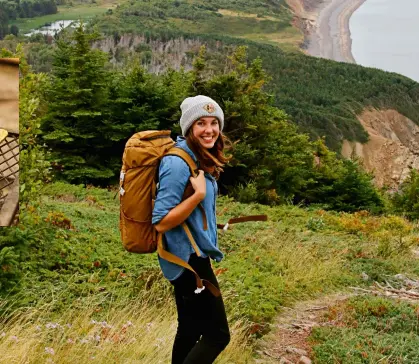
point(209, 108)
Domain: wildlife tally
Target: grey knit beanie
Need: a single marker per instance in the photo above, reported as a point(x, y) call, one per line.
point(196, 107)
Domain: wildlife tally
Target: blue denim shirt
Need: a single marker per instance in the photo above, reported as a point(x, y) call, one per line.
point(174, 175)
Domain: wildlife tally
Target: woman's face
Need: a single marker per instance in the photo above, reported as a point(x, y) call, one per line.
point(206, 130)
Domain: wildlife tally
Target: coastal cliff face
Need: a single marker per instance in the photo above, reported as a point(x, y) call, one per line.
point(305, 15)
point(393, 148)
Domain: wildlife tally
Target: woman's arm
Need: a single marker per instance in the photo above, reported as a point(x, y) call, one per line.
point(180, 213)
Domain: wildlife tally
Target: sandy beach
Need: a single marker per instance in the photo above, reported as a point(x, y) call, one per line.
point(329, 35)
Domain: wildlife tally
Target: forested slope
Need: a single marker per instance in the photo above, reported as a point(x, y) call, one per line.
point(321, 96)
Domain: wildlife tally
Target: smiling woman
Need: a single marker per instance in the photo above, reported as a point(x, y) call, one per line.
point(203, 331)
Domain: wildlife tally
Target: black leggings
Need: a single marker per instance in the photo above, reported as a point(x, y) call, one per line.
point(202, 332)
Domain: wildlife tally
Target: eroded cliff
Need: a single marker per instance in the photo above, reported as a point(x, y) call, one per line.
point(393, 148)
point(156, 55)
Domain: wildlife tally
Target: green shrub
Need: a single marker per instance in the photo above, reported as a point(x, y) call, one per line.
point(406, 200)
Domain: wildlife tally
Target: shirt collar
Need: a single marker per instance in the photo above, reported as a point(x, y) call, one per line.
point(181, 143)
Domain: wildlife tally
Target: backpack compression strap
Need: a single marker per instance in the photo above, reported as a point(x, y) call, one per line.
point(163, 253)
point(236, 220)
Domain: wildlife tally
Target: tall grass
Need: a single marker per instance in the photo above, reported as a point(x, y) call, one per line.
point(127, 331)
point(82, 296)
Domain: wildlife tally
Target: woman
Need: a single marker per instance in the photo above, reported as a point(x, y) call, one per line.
point(202, 331)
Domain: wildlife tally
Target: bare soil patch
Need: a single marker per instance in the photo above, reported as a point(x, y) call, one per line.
point(288, 340)
point(241, 14)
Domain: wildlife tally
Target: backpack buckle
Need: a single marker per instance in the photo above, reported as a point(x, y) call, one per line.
point(225, 227)
point(199, 290)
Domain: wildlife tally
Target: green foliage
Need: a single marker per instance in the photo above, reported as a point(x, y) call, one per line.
point(87, 132)
point(14, 29)
point(351, 189)
point(10, 10)
point(269, 151)
point(94, 110)
point(70, 252)
point(369, 329)
point(267, 148)
point(78, 126)
point(4, 21)
point(406, 200)
point(141, 101)
point(321, 96)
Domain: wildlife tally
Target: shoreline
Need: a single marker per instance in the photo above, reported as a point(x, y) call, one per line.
point(326, 29)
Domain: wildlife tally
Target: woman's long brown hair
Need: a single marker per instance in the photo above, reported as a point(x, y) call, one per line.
point(210, 160)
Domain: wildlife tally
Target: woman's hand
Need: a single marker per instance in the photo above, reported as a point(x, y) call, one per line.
point(180, 213)
point(199, 185)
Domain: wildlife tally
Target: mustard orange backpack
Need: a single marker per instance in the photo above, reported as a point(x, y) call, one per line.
point(137, 192)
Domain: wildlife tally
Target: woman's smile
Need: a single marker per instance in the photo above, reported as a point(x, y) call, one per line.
point(206, 130)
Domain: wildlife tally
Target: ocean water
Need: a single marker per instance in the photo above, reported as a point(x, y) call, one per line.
point(385, 35)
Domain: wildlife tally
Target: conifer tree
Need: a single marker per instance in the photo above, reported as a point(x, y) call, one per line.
point(268, 150)
point(406, 200)
point(78, 126)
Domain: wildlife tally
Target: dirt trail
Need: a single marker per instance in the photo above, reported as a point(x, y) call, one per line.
point(287, 342)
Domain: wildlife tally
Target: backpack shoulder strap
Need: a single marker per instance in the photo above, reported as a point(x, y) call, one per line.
point(186, 157)
point(194, 173)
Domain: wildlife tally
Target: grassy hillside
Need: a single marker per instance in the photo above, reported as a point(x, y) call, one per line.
point(76, 271)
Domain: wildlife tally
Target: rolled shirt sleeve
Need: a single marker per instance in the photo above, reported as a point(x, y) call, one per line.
point(173, 176)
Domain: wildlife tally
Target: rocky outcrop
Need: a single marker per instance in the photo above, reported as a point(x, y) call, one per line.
point(393, 146)
point(156, 55)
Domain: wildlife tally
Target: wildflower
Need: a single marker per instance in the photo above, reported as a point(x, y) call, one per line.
point(51, 325)
point(159, 342)
point(97, 338)
point(149, 326)
point(38, 328)
point(105, 325)
point(69, 326)
point(70, 341)
point(94, 322)
point(84, 341)
point(128, 324)
point(3, 334)
point(49, 350)
point(14, 338)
